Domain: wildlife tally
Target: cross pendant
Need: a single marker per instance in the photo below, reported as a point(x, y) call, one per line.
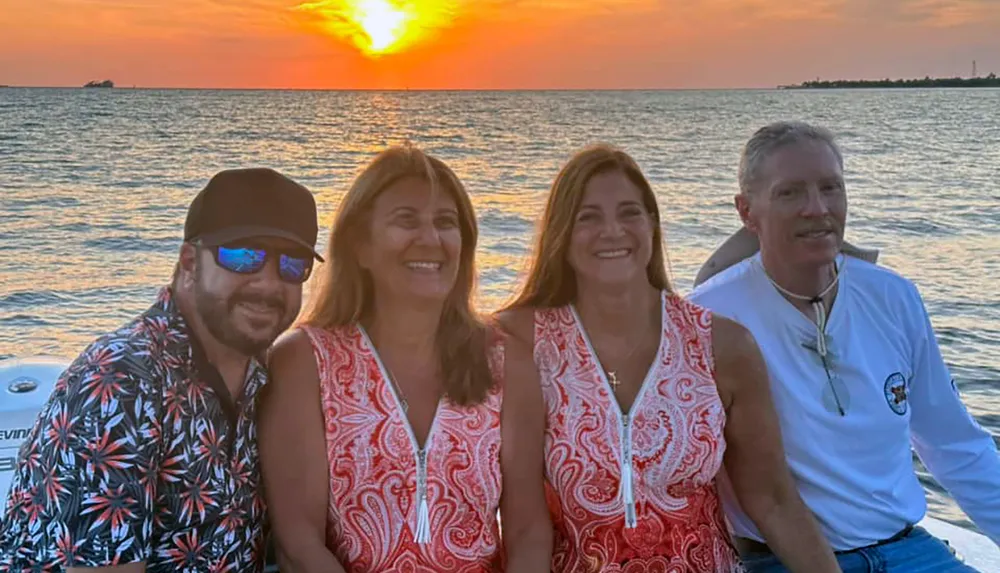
point(613, 380)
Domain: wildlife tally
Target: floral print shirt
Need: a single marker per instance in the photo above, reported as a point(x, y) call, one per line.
point(140, 454)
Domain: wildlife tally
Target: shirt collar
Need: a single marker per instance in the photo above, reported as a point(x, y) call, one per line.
point(166, 306)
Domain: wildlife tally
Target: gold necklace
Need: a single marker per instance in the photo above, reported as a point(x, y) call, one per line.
point(612, 375)
point(399, 392)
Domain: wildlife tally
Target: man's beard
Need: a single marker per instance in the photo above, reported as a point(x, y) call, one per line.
point(217, 314)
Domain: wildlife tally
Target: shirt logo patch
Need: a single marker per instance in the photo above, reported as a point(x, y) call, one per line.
point(896, 393)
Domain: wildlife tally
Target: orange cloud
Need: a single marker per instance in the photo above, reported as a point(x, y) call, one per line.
point(937, 13)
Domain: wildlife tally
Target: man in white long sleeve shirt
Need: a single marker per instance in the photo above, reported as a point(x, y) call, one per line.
point(856, 373)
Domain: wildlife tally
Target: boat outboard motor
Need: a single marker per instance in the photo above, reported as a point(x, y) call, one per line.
point(25, 386)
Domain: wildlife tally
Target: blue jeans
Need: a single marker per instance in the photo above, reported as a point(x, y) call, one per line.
point(918, 552)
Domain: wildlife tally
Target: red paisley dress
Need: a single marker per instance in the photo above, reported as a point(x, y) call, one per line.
point(634, 492)
point(394, 506)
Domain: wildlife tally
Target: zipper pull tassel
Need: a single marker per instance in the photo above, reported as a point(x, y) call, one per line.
point(625, 490)
point(628, 496)
point(422, 534)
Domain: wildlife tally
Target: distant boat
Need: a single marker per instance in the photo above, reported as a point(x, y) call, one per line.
point(96, 84)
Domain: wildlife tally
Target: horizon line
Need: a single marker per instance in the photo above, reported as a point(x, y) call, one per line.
point(403, 89)
point(779, 87)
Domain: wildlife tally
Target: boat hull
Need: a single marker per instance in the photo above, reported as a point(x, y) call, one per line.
point(25, 385)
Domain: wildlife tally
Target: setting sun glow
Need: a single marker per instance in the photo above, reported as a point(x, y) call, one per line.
point(381, 21)
point(379, 27)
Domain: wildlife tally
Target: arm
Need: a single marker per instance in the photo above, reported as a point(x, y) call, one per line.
point(755, 458)
point(743, 244)
point(99, 444)
point(293, 458)
point(527, 529)
point(960, 454)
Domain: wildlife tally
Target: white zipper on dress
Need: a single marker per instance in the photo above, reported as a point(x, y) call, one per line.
point(626, 492)
point(422, 531)
point(422, 534)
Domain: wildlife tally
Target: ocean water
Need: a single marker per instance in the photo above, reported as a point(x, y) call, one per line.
point(94, 186)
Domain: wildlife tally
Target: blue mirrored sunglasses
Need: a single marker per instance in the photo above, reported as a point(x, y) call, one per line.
point(245, 260)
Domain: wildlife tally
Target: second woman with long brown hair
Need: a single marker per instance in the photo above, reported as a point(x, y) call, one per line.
point(647, 396)
point(384, 436)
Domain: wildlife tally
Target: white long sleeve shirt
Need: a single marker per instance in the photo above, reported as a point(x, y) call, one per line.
point(856, 471)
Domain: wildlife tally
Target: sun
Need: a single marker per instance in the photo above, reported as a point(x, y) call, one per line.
point(381, 27)
point(383, 22)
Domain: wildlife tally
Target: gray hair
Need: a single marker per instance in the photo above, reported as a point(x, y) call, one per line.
point(773, 136)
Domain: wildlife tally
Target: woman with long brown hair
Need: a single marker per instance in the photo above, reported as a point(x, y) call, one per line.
point(646, 396)
point(384, 437)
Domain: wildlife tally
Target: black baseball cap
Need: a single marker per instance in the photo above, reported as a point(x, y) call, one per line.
point(239, 204)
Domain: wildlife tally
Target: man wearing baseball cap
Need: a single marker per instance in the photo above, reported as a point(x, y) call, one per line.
point(145, 456)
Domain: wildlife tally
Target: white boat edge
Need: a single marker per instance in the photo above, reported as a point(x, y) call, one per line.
point(975, 549)
point(36, 375)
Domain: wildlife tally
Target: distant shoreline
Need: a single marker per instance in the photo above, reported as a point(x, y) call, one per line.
point(990, 81)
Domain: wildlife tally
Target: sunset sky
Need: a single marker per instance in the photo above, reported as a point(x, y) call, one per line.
point(491, 44)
